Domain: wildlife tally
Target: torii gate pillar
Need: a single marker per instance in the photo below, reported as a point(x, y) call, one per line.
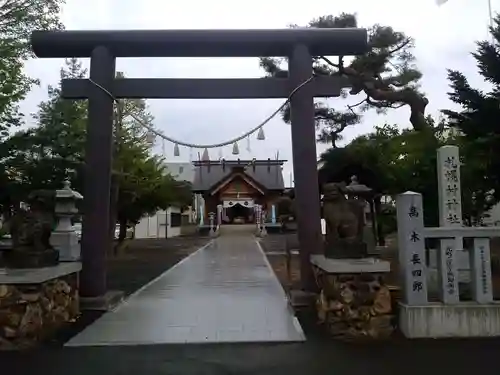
point(104, 47)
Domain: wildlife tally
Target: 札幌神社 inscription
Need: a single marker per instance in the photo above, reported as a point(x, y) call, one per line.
point(450, 215)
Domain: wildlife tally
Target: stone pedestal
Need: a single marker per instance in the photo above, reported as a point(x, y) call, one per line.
point(354, 303)
point(5, 244)
point(67, 244)
point(26, 258)
point(346, 249)
point(34, 303)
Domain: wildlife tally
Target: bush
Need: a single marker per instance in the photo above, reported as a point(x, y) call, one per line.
point(387, 220)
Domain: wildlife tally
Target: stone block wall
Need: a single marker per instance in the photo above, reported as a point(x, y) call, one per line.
point(354, 306)
point(31, 312)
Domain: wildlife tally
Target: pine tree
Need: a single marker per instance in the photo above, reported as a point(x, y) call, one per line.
point(477, 122)
point(384, 78)
point(54, 150)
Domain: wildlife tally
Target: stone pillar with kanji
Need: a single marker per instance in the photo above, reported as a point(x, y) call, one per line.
point(450, 216)
point(411, 248)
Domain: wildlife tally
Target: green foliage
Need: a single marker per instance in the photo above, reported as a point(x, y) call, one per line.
point(182, 193)
point(286, 212)
point(387, 77)
point(284, 206)
point(144, 189)
point(18, 18)
point(4, 232)
point(43, 157)
point(476, 125)
point(390, 161)
point(386, 220)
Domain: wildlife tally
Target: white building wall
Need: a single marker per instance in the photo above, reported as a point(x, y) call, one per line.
point(154, 226)
point(184, 171)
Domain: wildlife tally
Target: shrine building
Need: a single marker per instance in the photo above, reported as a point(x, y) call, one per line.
point(237, 185)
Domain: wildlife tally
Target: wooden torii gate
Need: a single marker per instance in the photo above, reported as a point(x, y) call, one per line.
point(103, 47)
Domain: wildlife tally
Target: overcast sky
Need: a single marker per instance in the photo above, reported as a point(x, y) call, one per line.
point(444, 37)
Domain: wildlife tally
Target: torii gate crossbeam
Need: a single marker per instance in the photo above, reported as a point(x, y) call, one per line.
point(103, 47)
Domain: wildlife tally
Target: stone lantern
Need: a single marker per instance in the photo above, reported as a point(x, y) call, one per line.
point(364, 194)
point(357, 190)
point(64, 238)
point(211, 220)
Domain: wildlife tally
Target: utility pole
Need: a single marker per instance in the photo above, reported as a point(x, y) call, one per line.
point(490, 15)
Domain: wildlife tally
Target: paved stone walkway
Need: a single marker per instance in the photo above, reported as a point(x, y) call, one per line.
point(225, 292)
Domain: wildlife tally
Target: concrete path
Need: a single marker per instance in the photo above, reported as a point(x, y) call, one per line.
point(225, 292)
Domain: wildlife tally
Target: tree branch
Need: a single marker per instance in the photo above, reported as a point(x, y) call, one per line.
point(371, 87)
point(329, 62)
point(399, 48)
point(357, 104)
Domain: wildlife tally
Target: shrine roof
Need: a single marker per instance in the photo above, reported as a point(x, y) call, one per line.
point(267, 173)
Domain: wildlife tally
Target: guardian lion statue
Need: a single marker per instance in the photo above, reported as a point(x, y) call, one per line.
point(341, 222)
point(30, 232)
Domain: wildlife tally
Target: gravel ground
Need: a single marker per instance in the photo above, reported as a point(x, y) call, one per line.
point(140, 262)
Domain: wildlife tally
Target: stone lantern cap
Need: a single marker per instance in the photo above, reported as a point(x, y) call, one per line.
point(355, 188)
point(66, 193)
